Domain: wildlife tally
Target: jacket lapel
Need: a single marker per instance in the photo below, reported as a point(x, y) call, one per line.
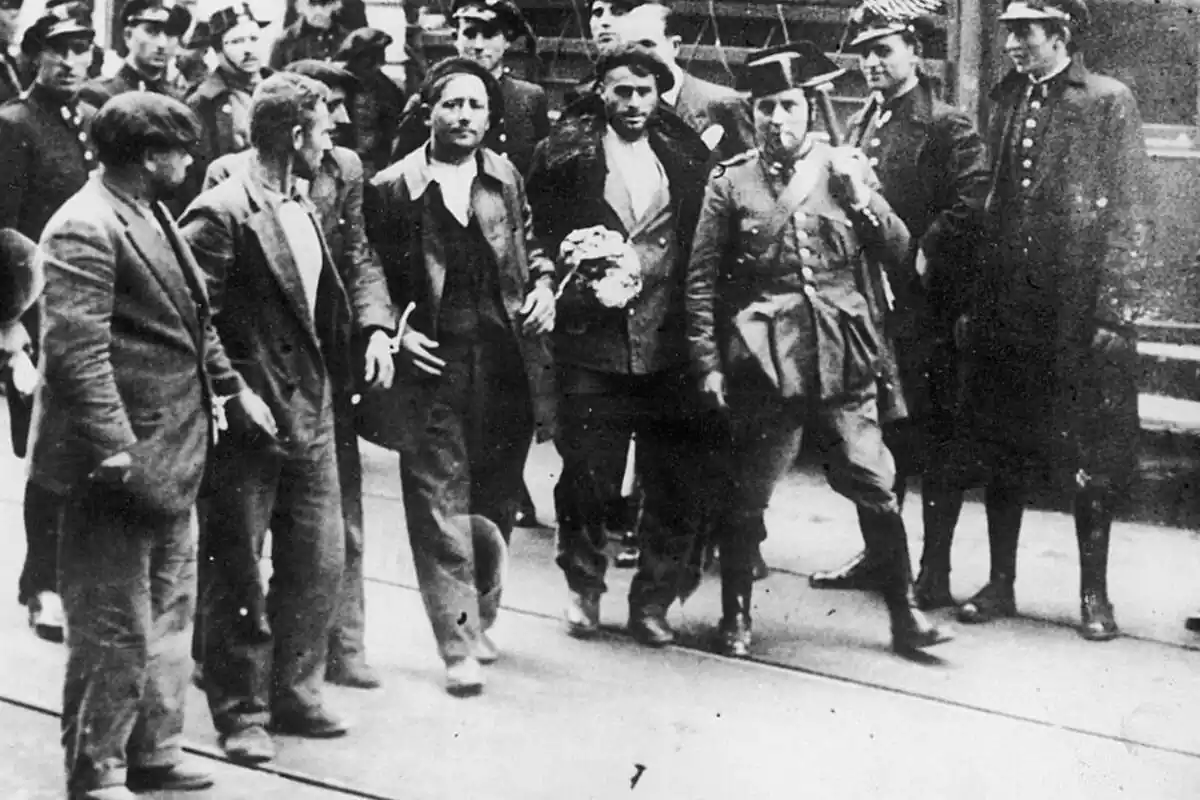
point(151, 244)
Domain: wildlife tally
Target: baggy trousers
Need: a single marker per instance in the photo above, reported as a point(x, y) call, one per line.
point(598, 412)
point(350, 622)
point(128, 584)
point(43, 519)
point(265, 655)
point(468, 460)
point(766, 436)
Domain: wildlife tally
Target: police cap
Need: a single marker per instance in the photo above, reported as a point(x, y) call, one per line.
point(800, 65)
point(1073, 13)
point(60, 21)
point(174, 18)
point(502, 13)
point(878, 19)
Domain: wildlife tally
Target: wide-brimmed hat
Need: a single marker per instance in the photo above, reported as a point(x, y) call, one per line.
point(21, 275)
point(799, 65)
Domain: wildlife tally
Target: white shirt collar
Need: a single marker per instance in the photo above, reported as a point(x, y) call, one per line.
point(1051, 76)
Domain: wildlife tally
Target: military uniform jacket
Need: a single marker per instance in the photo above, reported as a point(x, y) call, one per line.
point(784, 282)
point(99, 91)
point(1067, 227)
point(568, 190)
point(301, 40)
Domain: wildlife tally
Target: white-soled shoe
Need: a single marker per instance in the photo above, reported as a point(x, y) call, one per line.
point(46, 616)
point(486, 651)
point(464, 678)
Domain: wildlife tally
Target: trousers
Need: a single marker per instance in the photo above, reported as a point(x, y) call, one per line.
point(128, 584)
point(266, 652)
point(346, 638)
point(43, 520)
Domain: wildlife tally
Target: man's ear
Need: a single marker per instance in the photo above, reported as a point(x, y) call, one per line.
point(676, 42)
point(297, 138)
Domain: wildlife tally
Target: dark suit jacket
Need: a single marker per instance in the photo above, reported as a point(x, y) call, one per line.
point(128, 354)
point(290, 356)
point(400, 225)
point(702, 104)
point(526, 122)
point(337, 193)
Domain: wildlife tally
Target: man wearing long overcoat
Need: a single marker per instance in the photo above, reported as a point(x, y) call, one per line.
point(1050, 349)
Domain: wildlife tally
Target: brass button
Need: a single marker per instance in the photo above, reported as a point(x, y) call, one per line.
point(807, 273)
point(82, 136)
point(809, 290)
point(1025, 182)
point(1031, 123)
point(1027, 142)
point(873, 161)
point(805, 253)
point(1035, 105)
point(875, 142)
point(1027, 163)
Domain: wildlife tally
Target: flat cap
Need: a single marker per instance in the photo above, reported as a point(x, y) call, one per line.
point(229, 17)
point(135, 121)
point(174, 18)
point(504, 13)
point(632, 54)
point(1072, 12)
point(800, 65)
point(64, 19)
point(21, 275)
point(326, 72)
point(361, 42)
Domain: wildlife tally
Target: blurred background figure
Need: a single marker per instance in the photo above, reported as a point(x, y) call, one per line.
point(153, 29)
point(317, 32)
point(376, 103)
point(45, 157)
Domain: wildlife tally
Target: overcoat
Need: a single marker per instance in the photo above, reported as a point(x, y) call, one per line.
point(400, 226)
point(1064, 257)
point(703, 104)
point(933, 171)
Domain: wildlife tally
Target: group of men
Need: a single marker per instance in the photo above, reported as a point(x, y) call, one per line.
point(230, 300)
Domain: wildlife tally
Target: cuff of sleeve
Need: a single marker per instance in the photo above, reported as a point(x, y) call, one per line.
point(229, 386)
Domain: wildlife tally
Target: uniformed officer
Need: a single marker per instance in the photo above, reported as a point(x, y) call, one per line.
point(785, 318)
point(1050, 352)
point(222, 101)
point(486, 29)
point(152, 29)
point(45, 157)
point(933, 172)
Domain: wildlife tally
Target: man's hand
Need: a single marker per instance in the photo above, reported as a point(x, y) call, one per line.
point(114, 469)
point(1109, 341)
point(257, 411)
point(712, 390)
point(380, 369)
point(848, 171)
point(417, 345)
point(539, 310)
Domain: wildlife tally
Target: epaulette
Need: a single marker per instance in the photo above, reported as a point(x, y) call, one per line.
point(743, 157)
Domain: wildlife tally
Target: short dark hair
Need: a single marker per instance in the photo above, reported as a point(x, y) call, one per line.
point(441, 73)
point(133, 124)
point(280, 103)
point(332, 75)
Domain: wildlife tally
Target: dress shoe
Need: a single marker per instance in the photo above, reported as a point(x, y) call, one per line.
point(912, 631)
point(649, 627)
point(857, 573)
point(932, 590)
point(250, 745)
point(1193, 623)
point(356, 674)
point(311, 723)
point(733, 636)
point(991, 602)
point(1096, 619)
point(583, 614)
point(464, 678)
point(107, 793)
point(486, 651)
point(46, 616)
point(175, 778)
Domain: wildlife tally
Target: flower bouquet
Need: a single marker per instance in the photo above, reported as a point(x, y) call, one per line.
point(602, 264)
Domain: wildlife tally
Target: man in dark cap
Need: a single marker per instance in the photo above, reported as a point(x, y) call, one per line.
point(222, 101)
point(283, 310)
point(124, 423)
point(932, 168)
point(319, 30)
point(152, 29)
point(377, 103)
point(785, 323)
point(11, 81)
point(45, 156)
point(336, 190)
point(1049, 338)
point(614, 162)
point(485, 30)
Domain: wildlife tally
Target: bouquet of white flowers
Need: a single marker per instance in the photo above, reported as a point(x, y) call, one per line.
point(604, 263)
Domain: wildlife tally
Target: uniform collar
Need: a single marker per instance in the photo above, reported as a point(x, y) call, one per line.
point(139, 79)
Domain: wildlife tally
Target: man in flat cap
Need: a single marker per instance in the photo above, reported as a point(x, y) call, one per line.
point(123, 427)
point(45, 157)
point(376, 104)
point(612, 161)
point(152, 30)
point(318, 31)
point(284, 312)
point(222, 100)
point(785, 324)
point(1049, 336)
point(336, 189)
point(933, 171)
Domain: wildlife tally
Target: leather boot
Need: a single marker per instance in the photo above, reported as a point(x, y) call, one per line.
point(887, 539)
point(1005, 507)
point(940, 507)
point(1093, 525)
point(734, 632)
point(648, 625)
